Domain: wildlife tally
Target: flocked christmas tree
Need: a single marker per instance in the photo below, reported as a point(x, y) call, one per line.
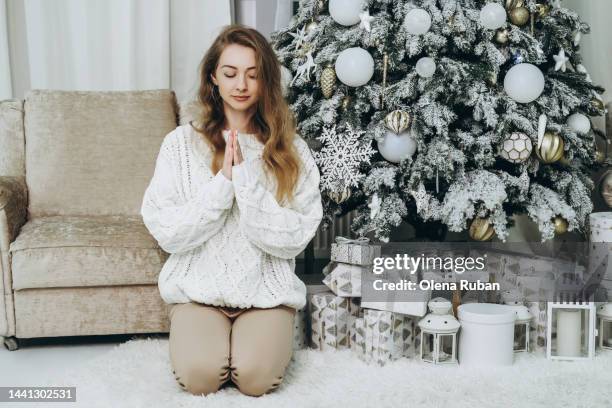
point(459, 112)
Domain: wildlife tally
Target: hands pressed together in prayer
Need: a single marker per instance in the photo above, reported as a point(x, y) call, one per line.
point(233, 154)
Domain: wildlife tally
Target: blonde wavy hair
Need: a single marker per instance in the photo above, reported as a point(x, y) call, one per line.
point(273, 122)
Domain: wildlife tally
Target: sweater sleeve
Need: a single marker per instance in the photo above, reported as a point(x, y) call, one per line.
point(280, 231)
point(177, 224)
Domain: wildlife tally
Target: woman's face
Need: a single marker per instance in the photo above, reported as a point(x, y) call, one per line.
point(236, 75)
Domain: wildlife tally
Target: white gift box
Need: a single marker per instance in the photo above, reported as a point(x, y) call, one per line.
point(331, 318)
point(537, 326)
point(345, 279)
point(387, 336)
point(355, 254)
point(416, 307)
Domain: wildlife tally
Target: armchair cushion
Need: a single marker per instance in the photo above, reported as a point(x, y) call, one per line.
point(93, 153)
point(70, 251)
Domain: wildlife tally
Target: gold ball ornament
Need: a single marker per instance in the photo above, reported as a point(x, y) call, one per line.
point(516, 148)
point(340, 197)
point(397, 121)
point(311, 27)
point(501, 36)
point(605, 188)
point(512, 4)
point(561, 225)
point(519, 16)
point(551, 149)
point(328, 81)
point(600, 156)
point(481, 229)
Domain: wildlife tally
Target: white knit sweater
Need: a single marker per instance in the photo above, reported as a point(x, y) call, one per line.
point(230, 242)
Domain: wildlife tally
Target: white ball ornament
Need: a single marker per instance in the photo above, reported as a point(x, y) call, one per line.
point(579, 123)
point(345, 12)
point(417, 21)
point(354, 66)
point(493, 16)
point(426, 67)
point(516, 148)
point(396, 147)
point(524, 83)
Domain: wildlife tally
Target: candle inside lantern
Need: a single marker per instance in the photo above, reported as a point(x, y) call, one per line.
point(569, 333)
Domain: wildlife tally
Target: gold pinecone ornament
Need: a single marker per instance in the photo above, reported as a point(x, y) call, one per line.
point(481, 229)
point(551, 149)
point(328, 81)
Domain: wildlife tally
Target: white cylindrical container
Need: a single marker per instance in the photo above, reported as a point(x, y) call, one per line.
point(487, 334)
point(569, 332)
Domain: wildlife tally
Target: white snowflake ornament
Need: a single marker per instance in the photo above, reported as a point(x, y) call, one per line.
point(300, 37)
point(340, 157)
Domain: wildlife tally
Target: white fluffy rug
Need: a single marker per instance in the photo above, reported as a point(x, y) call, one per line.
point(138, 374)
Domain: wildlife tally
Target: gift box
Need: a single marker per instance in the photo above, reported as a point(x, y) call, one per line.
point(331, 317)
point(417, 306)
point(345, 279)
point(384, 336)
point(300, 331)
point(354, 252)
point(537, 326)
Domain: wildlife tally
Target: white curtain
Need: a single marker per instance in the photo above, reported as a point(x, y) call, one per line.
point(284, 12)
point(118, 44)
point(6, 89)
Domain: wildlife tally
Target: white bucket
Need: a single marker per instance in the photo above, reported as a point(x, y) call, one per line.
point(487, 334)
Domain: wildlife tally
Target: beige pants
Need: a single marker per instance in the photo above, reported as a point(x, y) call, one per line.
point(210, 345)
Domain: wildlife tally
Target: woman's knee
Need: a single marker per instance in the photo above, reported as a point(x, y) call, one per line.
point(256, 378)
point(201, 378)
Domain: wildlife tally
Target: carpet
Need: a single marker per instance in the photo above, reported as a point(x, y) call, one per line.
point(138, 374)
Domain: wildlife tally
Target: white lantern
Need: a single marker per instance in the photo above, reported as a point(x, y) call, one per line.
point(570, 330)
point(354, 66)
point(345, 12)
point(521, 326)
point(524, 83)
point(417, 21)
point(426, 67)
point(579, 123)
point(493, 16)
point(604, 313)
point(439, 333)
point(395, 147)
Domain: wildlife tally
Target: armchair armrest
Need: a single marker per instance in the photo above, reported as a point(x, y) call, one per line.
point(14, 204)
point(13, 214)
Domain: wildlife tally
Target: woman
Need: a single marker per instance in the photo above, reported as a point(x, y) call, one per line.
point(234, 198)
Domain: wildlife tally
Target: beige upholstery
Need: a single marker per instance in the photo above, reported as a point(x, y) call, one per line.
point(76, 258)
point(93, 153)
point(12, 144)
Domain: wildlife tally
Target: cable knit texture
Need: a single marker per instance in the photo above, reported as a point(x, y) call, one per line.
point(230, 242)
